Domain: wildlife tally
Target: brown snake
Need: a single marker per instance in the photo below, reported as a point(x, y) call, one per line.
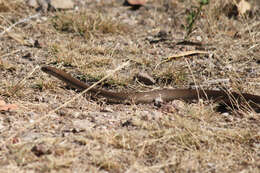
point(151, 96)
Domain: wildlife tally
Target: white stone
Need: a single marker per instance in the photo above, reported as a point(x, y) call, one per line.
point(62, 4)
point(33, 3)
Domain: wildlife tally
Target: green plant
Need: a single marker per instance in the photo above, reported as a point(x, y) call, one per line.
point(193, 16)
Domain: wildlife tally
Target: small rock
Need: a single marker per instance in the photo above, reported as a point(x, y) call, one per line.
point(37, 44)
point(162, 34)
point(198, 38)
point(243, 6)
point(41, 149)
point(136, 2)
point(62, 4)
point(43, 5)
point(28, 56)
point(158, 102)
point(1, 126)
point(83, 124)
point(145, 78)
point(39, 4)
point(127, 123)
point(106, 109)
point(33, 3)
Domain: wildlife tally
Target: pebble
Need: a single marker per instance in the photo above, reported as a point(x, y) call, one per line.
point(145, 78)
point(62, 4)
point(136, 2)
point(56, 4)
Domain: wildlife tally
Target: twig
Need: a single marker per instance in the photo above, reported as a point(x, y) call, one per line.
point(11, 53)
point(20, 83)
point(217, 81)
point(193, 77)
point(19, 22)
point(182, 54)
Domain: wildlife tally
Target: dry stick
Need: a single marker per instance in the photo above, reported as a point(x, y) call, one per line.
point(19, 131)
point(254, 25)
point(16, 86)
point(11, 53)
point(193, 78)
point(19, 22)
point(8, 21)
point(216, 81)
point(182, 54)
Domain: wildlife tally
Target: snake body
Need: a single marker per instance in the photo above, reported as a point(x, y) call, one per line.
point(162, 94)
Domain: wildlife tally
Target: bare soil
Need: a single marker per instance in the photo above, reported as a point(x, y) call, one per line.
point(90, 135)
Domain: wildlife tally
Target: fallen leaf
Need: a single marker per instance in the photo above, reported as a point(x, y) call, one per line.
point(7, 107)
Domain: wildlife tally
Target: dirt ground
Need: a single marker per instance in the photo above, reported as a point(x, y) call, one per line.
point(40, 133)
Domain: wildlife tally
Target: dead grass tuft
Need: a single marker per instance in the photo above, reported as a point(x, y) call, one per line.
point(87, 24)
point(14, 6)
point(3, 7)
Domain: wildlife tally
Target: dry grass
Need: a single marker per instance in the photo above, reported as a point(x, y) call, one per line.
point(87, 24)
point(92, 136)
